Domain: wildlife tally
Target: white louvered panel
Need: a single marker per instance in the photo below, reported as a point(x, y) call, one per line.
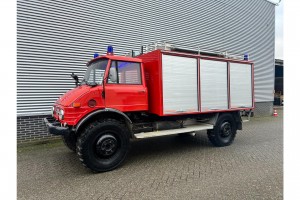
point(213, 85)
point(56, 38)
point(240, 85)
point(180, 87)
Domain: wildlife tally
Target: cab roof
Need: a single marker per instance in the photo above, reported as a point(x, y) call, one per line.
point(113, 57)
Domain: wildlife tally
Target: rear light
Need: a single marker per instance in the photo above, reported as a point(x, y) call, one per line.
point(76, 105)
point(92, 103)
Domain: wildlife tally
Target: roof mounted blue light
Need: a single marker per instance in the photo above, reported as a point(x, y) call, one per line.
point(246, 56)
point(96, 55)
point(110, 50)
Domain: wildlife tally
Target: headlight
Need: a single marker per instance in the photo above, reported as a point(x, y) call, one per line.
point(61, 114)
point(53, 111)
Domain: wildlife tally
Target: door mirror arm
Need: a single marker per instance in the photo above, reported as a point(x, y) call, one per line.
point(75, 77)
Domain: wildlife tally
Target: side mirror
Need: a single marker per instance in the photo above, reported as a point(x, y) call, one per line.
point(113, 75)
point(75, 77)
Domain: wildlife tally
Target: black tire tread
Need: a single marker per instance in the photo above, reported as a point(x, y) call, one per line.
point(70, 141)
point(87, 132)
point(212, 134)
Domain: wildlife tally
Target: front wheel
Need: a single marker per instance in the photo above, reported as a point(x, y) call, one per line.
point(224, 131)
point(103, 145)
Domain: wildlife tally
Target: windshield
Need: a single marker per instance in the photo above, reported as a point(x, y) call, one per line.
point(95, 72)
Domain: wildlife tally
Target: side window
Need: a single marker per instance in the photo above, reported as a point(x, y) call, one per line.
point(128, 72)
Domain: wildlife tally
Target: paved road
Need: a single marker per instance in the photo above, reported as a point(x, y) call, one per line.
point(164, 168)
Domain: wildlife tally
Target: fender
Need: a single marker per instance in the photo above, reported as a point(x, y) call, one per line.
point(127, 119)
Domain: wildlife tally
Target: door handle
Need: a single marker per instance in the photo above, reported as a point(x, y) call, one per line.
point(141, 91)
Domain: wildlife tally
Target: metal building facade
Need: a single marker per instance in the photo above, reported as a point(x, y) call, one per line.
point(55, 38)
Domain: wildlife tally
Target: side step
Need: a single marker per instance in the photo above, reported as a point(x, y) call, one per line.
point(187, 129)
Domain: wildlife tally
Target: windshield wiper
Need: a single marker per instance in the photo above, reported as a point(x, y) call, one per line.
point(88, 83)
point(91, 84)
point(83, 81)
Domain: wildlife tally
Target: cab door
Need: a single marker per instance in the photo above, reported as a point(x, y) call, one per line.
point(127, 90)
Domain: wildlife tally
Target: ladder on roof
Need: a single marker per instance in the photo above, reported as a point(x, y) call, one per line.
point(191, 49)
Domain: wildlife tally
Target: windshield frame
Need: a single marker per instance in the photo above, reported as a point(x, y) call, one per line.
point(94, 66)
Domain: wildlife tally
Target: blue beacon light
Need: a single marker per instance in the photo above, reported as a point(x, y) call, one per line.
point(246, 56)
point(110, 50)
point(96, 55)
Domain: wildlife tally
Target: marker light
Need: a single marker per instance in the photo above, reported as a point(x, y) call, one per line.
point(76, 105)
point(110, 50)
point(246, 56)
point(96, 55)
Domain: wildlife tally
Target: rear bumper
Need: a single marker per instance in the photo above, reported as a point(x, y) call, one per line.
point(54, 127)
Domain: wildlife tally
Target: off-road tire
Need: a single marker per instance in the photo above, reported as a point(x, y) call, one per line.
point(224, 131)
point(70, 140)
point(103, 145)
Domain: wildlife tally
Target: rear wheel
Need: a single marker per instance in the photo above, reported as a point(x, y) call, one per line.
point(224, 131)
point(103, 145)
point(70, 141)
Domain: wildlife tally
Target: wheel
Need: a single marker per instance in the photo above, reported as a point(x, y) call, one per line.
point(70, 141)
point(224, 131)
point(103, 145)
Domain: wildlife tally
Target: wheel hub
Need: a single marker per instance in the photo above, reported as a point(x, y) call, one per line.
point(226, 129)
point(106, 145)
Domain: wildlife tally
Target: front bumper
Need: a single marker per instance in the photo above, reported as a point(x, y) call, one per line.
point(54, 127)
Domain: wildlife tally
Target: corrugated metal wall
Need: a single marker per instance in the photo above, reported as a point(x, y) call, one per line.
point(55, 38)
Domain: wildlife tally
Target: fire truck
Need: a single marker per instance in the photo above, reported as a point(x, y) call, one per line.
point(165, 91)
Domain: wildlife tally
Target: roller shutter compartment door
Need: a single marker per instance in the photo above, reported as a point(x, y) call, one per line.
point(240, 85)
point(180, 90)
point(213, 83)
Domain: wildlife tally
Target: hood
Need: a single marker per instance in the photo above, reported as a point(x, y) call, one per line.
point(69, 97)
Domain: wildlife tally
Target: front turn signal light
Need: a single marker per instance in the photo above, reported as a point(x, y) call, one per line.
point(76, 105)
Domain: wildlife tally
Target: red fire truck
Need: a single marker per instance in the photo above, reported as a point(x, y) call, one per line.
point(161, 92)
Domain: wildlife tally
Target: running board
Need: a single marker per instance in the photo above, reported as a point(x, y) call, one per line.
point(187, 129)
